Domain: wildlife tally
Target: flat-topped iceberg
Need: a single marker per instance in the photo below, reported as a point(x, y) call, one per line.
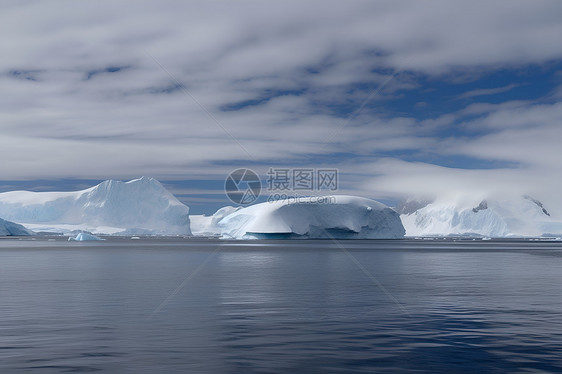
point(341, 217)
point(139, 206)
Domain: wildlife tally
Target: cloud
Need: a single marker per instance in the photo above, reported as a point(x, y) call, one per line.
point(525, 136)
point(400, 179)
point(532, 126)
point(107, 90)
point(487, 91)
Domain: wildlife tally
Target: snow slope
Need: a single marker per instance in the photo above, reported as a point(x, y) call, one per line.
point(339, 217)
point(492, 217)
point(8, 228)
point(139, 206)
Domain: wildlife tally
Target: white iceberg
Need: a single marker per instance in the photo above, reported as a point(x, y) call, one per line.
point(341, 217)
point(140, 206)
point(8, 228)
point(82, 237)
point(491, 217)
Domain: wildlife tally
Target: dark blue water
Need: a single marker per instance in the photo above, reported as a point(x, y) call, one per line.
point(195, 306)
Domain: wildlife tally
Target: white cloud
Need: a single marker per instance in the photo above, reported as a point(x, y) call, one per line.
point(487, 91)
point(57, 123)
point(525, 136)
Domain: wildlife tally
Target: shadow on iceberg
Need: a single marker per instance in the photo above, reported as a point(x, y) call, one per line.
point(8, 228)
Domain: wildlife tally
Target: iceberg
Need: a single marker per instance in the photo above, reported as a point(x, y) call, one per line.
point(520, 216)
point(140, 206)
point(82, 237)
point(8, 228)
point(341, 217)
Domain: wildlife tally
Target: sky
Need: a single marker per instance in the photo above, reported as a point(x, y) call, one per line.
point(403, 98)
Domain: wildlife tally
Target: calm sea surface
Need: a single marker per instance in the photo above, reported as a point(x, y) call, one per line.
point(210, 306)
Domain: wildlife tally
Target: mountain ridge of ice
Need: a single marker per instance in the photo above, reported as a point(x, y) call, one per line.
point(494, 216)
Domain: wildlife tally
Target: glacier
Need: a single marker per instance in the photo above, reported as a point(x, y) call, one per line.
point(493, 216)
point(139, 206)
point(8, 228)
point(340, 217)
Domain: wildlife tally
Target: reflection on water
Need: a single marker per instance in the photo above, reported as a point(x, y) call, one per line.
point(280, 307)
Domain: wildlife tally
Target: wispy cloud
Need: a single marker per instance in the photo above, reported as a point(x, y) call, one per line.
point(81, 98)
point(487, 91)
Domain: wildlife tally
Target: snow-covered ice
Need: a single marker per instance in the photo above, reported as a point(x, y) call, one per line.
point(8, 228)
point(140, 206)
point(520, 216)
point(338, 217)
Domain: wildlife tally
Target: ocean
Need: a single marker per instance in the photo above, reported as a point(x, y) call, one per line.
point(173, 305)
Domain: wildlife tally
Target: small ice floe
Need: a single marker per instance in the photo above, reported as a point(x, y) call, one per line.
point(81, 237)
